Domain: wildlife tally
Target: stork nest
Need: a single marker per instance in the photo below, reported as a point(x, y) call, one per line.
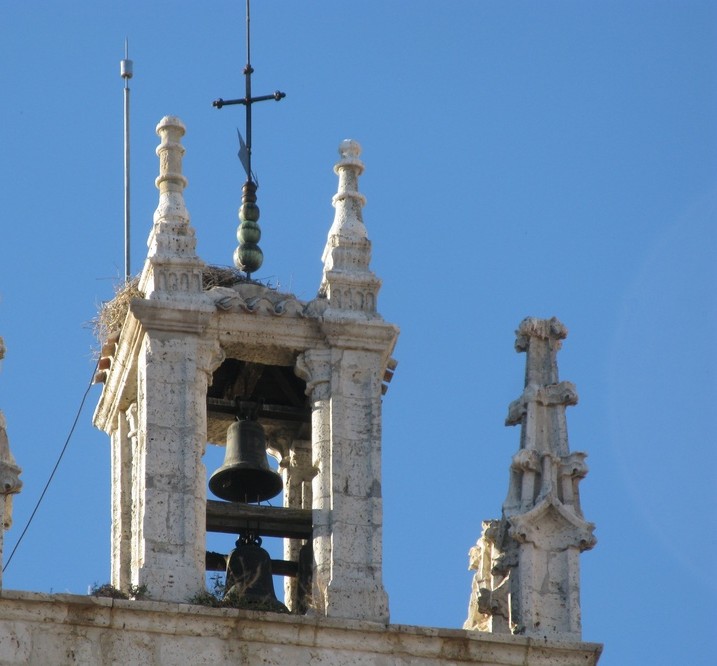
point(222, 276)
point(112, 313)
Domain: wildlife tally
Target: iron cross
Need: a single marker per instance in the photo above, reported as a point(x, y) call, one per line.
point(247, 101)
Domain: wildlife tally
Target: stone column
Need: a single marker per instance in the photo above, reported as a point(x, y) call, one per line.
point(315, 368)
point(345, 388)
point(123, 445)
point(356, 587)
point(297, 472)
point(169, 478)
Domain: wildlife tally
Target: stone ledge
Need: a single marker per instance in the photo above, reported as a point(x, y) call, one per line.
point(40, 628)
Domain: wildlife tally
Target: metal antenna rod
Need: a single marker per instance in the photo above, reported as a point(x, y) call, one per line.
point(126, 74)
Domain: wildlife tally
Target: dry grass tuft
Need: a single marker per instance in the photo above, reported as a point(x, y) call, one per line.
point(112, 313)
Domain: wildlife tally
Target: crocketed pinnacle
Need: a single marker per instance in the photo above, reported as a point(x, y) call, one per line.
point(172, 269)
point(348, 282)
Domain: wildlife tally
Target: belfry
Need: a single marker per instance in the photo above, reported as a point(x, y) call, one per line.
point(186, 363)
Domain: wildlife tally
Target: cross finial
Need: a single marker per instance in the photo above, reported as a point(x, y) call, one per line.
point(248, 257)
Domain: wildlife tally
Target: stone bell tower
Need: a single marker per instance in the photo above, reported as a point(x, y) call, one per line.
point(199, 344)
point(527, 564)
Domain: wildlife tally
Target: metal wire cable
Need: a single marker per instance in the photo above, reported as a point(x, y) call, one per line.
point(54, 469)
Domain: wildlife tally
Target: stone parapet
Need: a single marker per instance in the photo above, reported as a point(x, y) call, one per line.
point(50, 629)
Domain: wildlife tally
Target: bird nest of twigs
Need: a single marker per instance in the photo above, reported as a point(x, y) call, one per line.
point(112, 313)
point(222, 276)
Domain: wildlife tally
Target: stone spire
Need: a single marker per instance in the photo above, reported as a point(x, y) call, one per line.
point(528, 571)
point(348, 283)
point(10, 483)
point(172, 270)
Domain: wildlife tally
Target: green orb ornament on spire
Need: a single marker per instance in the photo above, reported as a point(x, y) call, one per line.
point(248, 257)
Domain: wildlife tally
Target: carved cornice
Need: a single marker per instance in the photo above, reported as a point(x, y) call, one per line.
point(143, 315)
point(171, 317)
point(370, 335)
point(259, 300)
point(118, 391)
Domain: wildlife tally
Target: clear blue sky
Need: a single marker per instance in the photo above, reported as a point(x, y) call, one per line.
point(522, 158)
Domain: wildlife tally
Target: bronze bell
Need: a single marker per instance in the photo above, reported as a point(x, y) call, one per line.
point(245, 475)
point(249, 583)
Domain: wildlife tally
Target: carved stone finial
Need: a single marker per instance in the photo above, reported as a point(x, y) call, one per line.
point(170, 152)
point(173, 270)
point(348, 282)
point(348, 201)
point(350, 149)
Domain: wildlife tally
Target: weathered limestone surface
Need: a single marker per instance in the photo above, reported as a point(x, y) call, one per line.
point(527, 564)
point(10, 483)
point(39, 629)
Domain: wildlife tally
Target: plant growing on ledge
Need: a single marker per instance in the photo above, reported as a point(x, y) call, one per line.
point(136, 592)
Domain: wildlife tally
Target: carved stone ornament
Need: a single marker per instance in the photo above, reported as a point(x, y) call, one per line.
point(10, 482)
